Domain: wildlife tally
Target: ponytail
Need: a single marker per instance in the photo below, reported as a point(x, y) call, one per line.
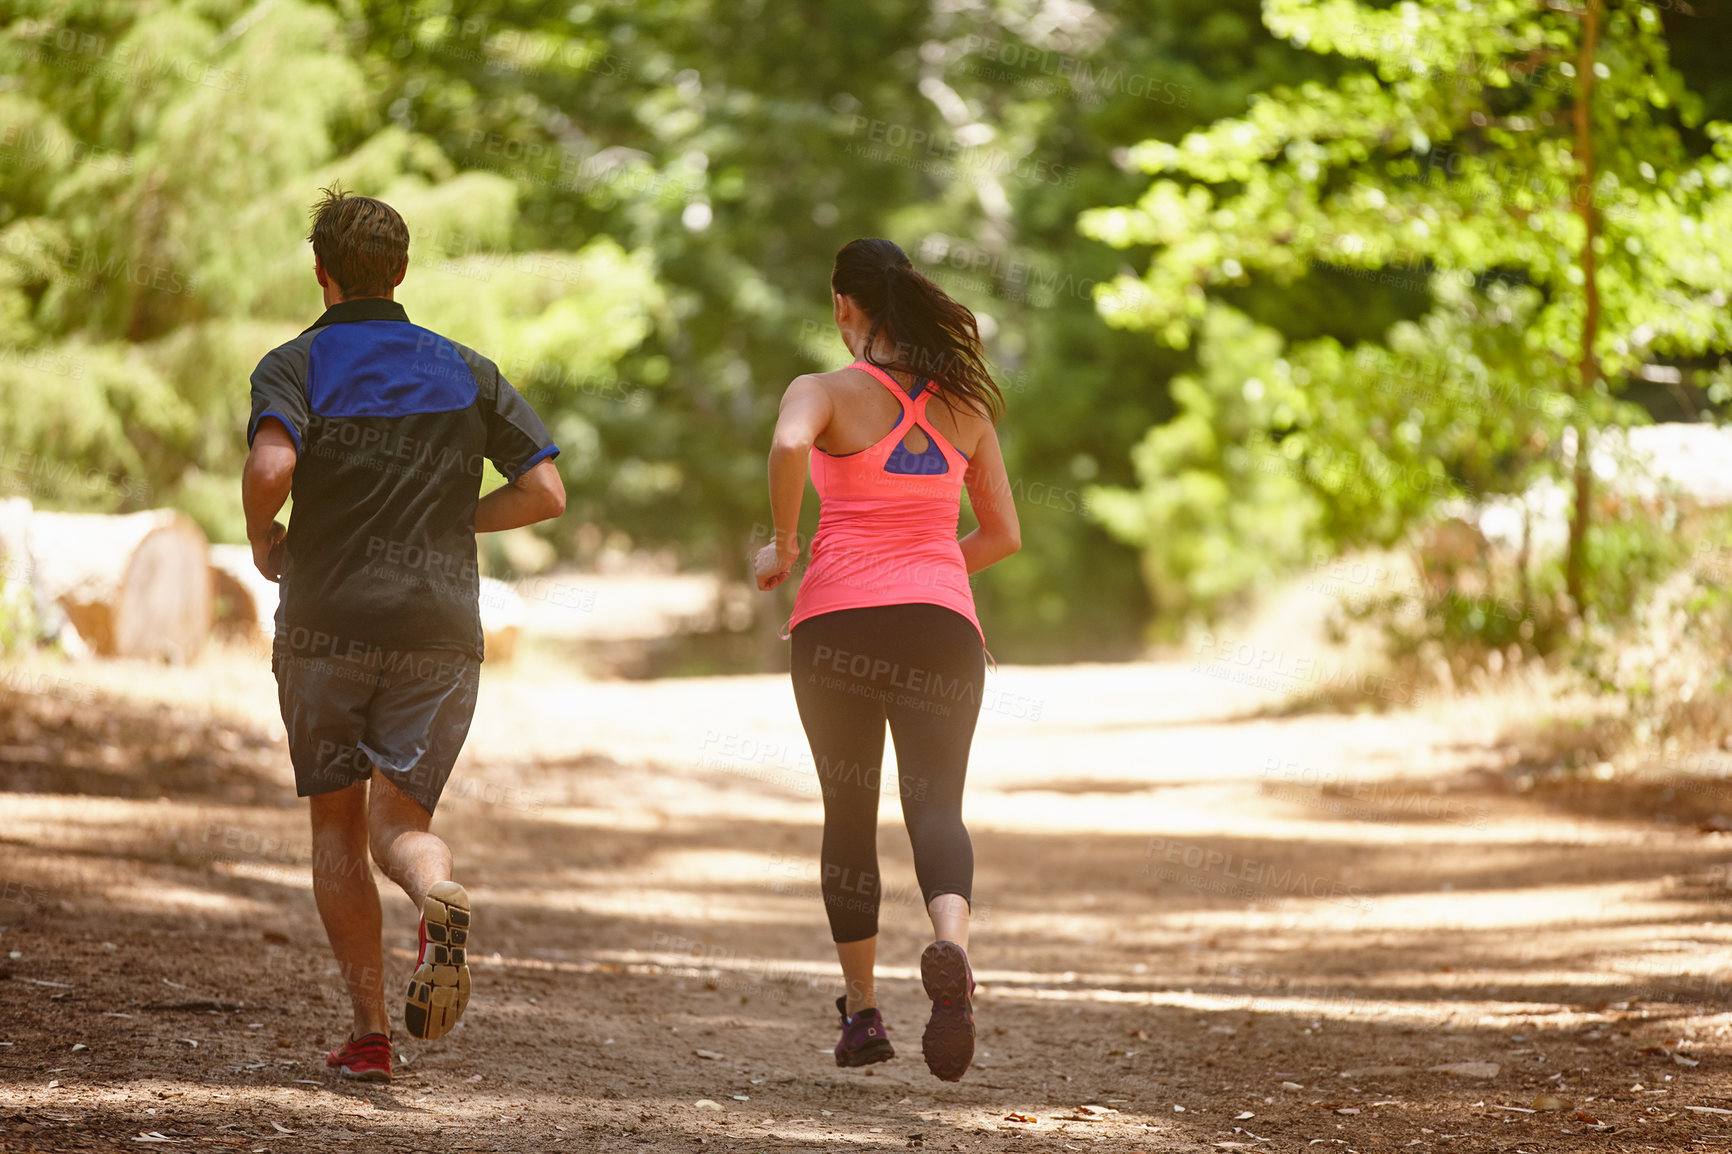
point(933, 335)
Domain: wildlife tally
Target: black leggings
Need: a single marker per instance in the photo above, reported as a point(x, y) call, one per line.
point(921, 667)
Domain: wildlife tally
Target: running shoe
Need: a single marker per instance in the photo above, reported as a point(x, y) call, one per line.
point(949, 1039)
point(439, 990)
point(864, 1037)
point(366, 1059)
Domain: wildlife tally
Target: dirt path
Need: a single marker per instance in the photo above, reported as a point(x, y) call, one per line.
point(1202, 925)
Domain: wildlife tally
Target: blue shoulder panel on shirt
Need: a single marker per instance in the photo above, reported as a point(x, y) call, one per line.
point(386, 369)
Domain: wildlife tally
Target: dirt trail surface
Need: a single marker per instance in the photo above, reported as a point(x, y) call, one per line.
point(1202, 923)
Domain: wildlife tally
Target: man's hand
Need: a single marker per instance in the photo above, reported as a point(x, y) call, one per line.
point(268, 551)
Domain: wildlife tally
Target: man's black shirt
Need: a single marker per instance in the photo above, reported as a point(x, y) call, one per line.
point(392, 423)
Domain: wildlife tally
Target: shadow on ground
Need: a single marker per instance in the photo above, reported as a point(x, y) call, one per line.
point(1544, 976)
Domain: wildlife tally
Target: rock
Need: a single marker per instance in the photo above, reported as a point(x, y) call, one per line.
point(1466, 1069)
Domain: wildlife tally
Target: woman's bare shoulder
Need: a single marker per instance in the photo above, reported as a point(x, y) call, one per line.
point(835, 382)
point(968, 414)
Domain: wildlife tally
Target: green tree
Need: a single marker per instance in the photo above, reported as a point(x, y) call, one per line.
point(1537, 168)
point(743, 147)
point(633, 206)
point(156, 165)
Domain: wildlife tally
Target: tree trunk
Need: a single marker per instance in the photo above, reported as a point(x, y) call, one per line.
point(1524, 558)
point(137, 585)
point(1589, 365)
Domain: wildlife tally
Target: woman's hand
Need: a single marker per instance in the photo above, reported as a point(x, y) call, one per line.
point(772, 566)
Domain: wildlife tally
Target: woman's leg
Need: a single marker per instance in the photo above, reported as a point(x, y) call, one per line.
point(858, 959)
point(949, 914)
point(844, 720)
point(933, 727)
point(932, 721)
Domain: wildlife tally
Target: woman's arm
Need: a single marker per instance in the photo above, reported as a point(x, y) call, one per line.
point(805, 413)
point(999, 533)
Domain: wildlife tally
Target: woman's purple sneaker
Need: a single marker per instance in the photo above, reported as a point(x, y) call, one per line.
point(949, 1039)
point(864, 1037)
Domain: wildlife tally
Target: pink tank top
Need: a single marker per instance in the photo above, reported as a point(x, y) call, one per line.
point(887, 522)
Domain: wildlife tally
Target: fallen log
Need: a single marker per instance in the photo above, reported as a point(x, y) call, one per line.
point(133, 585)
point(246, 600)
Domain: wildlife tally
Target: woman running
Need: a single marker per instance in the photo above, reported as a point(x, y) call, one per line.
point(883, 625)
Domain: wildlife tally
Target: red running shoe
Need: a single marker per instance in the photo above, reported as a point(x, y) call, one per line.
point(367, 1058)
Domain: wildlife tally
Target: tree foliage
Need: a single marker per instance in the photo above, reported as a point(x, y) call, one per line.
point(633, 207)
point(159, 160)
point(1445, 158)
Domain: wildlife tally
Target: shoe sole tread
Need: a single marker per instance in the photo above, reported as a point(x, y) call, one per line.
point(948, 1043)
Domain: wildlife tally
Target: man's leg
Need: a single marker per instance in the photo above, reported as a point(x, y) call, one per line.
point(397, 827)
point(420, 862)
point(416, 724)
point(349, 901)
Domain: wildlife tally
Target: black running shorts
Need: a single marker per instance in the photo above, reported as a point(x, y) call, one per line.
point(405, 711)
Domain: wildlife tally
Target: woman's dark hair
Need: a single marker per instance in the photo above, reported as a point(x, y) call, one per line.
point(933, 335)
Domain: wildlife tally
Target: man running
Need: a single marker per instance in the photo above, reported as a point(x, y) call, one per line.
point(379, 428)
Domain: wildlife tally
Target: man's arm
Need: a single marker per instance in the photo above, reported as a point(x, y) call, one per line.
point(538, 495)
point(265, 485)
point(515, 438)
